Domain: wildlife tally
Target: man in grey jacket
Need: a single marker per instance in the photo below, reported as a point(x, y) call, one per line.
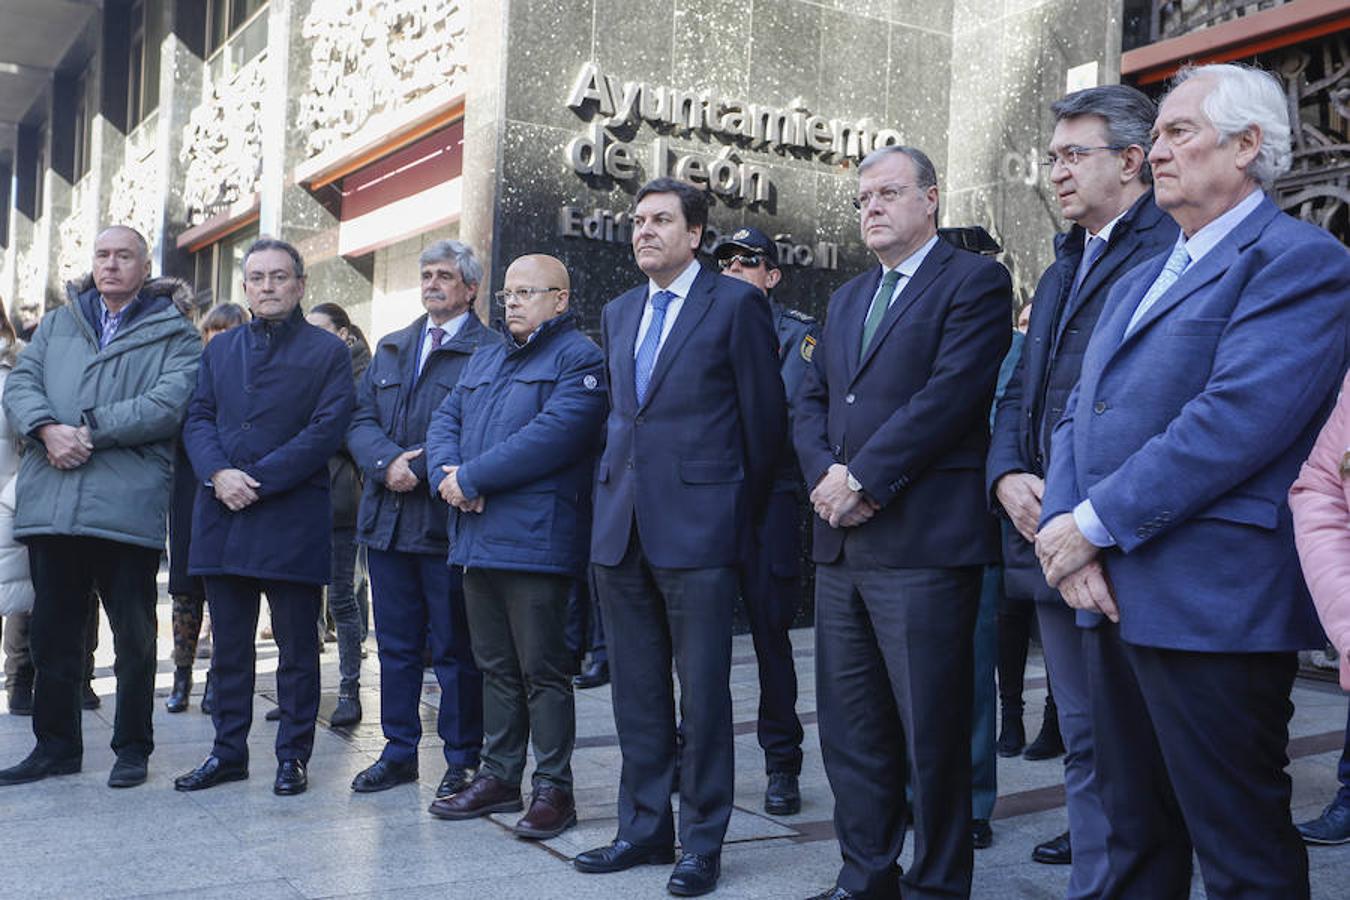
point(102, 390)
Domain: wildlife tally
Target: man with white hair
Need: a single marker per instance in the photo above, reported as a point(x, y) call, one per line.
point(1208, 375)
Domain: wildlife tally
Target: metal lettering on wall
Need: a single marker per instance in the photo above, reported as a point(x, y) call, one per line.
point(617, 228)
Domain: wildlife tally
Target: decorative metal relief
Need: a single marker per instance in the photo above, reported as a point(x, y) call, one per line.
point(1316, 76)
point(134, 197)
point(368, 55)
point(222, 144)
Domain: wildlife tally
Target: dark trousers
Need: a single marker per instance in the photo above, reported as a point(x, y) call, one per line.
point(18, 660)
point(585, 628)
point(234, 625)
point(1016, 622)
point(984, 714)
point(893, 693)
point(771, 604)
point(1191, 751)
point(655, 616)
point(344, 608)
point(516, 621)
point(65, 570)
point(416, 596)
point(1066, 671)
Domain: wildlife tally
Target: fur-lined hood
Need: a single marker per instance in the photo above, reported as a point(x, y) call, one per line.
point(176, 289)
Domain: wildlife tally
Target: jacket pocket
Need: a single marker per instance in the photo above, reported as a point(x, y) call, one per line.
point(1200, 326)
point(711, 471)
point(1243, 509)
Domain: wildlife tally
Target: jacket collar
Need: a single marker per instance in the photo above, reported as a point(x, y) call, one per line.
point(565, 322)
point(278, 328)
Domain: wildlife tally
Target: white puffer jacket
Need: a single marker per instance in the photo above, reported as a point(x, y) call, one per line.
point(16, 584)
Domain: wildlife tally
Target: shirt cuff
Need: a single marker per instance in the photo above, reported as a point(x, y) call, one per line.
point(1085, 517)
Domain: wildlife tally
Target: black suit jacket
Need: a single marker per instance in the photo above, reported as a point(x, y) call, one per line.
point(910, 417)
point(694, 463)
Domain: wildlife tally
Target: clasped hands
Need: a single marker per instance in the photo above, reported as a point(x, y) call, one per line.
point(837, 503)
point(68, 446)
point(451, 492)
point(235, 488)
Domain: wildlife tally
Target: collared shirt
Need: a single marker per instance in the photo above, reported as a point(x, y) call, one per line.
point(1206, 239)
point(109, 321)
point(907, 267)
point(680, 287)
point(451, 329)
point(1105, 235)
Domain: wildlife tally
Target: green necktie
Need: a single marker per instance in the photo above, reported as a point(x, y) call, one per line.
point(880, 303)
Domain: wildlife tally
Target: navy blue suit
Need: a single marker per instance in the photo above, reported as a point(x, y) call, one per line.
point(1061, 324)
point(416, 598)
point(897, 596)
point(272, 399)
point(1186, 435)
point(682, 478)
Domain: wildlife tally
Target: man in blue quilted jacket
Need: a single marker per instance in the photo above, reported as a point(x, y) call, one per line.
point(511, 450)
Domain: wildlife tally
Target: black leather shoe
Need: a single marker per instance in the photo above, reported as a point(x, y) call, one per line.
point(1055, 852)
point(621, 855)
point(782, 797)
point(456, 779)
point(347, 712)
point(384, 775)
point(37, 767)
point(20, 699)
point(88, 699)
point(834, 893)
point(291, 778)
point(210, 773)
point(695, 874)
point(593, 676)
point(182, 689)
point(1332, 827)
point(1012, 736)
point(273, 714)
point(981, 835)
point(1048, 743)
point(129, 771)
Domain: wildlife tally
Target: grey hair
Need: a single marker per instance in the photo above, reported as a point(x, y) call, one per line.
point(268, 243)
point(1127, 111)
point(925, 174)
point(462, 255)
point(1242, 97)
point(140, 238)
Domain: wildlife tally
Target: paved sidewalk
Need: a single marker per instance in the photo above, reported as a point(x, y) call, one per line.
point(73, 837)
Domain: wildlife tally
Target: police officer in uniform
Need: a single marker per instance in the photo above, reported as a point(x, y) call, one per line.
point(770, 580)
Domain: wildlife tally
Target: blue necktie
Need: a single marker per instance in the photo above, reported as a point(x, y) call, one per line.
point(645, 361)
point(1091, 254)
point(1172, 269)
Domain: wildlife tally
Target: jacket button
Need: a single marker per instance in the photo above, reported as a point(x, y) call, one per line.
point(379, 462)
point(640, 420)
point(838, 449)
point(1099, 407)
point(245, 426)
point(849, 398)
point(628, 465)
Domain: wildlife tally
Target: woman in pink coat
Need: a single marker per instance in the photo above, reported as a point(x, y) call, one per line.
point(1320, 500)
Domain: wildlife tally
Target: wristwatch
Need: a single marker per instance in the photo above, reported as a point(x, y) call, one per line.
point(854, 484)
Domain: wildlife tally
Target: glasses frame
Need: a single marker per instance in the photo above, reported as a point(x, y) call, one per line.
point(1070, 157)
point(748, 260)
point(525, 294)
point(864, 200)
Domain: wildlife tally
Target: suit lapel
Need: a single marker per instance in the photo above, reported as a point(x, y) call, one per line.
point(694, 307)
point(627, 316)
point(849, 318)
point(932, 265)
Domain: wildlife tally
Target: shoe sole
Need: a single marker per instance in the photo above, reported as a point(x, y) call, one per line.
point(656, 858)
point(50, 773)
point(1040, 756)
point(1051, 862)
point(289, 790)
point(540, 834)
point(507, 806)
point(375, 789)
point(127, 782)
point(690, 892)
point(225, 779)
point(25, 713)
point(787, 809)
point(1325, 842)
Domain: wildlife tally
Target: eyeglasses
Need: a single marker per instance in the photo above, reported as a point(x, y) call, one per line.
point(889, 194)
point(747, 261)
point(523, 294)
point(1071, 156)
point(280, 279)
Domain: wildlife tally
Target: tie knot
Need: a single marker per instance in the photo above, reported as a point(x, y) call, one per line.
point(891, 278)
point(662, 299)
point(437, 336)
point(1178, 260)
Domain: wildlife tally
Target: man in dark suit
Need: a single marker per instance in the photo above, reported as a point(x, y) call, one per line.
point(771, 578)
point(892, 428)
point(697, 419)
point(1211, 370)
point(1098, 168)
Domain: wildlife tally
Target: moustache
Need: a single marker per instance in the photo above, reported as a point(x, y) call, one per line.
point(433, 295)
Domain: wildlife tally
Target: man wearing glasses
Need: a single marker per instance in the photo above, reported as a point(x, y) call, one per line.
point(415, 595)
point(1097, 167)
point(892, 428)
point(770, 578)
point(511, 450)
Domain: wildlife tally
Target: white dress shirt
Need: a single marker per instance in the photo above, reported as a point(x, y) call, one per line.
point(451, 328)
point(680, 287)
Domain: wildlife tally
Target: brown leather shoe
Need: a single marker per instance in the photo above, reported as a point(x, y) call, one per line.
point(551, 813)
point(485, 794)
